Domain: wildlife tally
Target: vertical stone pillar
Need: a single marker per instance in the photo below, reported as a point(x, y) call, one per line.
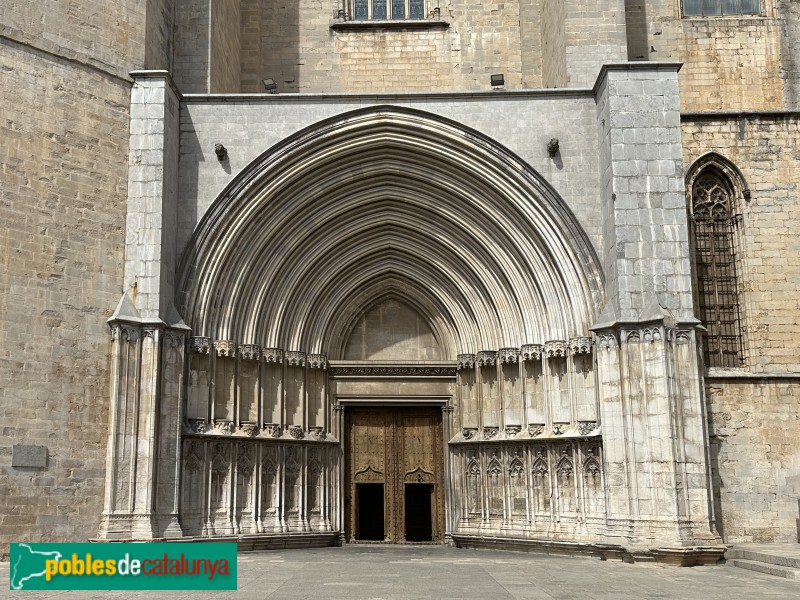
point(651, 402)
point(148, 336)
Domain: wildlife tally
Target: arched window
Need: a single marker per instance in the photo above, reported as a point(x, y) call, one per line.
point(713, 224)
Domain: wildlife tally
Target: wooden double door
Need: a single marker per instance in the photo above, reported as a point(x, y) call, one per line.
point(395, 475)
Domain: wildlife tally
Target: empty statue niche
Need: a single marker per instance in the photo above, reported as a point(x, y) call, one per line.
point(369, 508)
point(418, 511)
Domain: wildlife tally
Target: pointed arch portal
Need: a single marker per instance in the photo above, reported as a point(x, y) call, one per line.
point(395, 203)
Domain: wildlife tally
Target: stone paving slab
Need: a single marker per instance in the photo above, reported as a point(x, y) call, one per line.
point(415, 572)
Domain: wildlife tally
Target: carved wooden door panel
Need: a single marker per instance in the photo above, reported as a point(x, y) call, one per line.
point(396, 452)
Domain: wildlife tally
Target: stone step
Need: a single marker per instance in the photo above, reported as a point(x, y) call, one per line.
point(782, 560)
point(768, 568)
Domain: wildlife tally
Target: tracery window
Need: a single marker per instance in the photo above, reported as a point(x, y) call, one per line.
point(720, 8)
point(385, 10)
point(713, 225)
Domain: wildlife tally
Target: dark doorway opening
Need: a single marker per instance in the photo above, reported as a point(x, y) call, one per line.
point(419, 525)
point(369, 506)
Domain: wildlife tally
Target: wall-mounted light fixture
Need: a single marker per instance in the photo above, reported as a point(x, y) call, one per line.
point(270, 85)
point(497, 80)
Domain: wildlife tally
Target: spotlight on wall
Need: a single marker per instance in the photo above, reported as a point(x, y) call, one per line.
point(270, 85)
point(497, 80)
point(221, 152)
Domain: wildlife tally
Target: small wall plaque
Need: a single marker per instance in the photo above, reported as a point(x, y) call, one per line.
point(29, 457)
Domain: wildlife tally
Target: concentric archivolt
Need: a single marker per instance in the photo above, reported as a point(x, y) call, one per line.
point(389, 202)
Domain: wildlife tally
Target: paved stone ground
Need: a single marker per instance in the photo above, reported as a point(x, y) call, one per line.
point(395, 572)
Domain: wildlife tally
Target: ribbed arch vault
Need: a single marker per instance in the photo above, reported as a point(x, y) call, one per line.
point(389, 202)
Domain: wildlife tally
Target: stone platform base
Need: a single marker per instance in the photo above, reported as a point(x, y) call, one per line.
point(258, 541)
point(684, 557)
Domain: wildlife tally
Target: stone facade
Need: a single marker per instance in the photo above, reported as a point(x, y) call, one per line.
point(257, 248)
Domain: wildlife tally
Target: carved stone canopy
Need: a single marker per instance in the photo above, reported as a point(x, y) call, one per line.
point(487, 358)
point(555, 349)
point(532, 351)
point(295, 358)
point(317, 361)
point(508, 355)
point(580, 345)
point(466, 361)
point(272, 355)
point(201, 345)
point(225, 348)
point(249, 351)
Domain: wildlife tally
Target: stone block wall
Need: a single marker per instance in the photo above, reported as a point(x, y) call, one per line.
point(754, 427)
point(225, 47)
point(755, 419)
point(766, 148)
point(729, 63)
point(64, 128)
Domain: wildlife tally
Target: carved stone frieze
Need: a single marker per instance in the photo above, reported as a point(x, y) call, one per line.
point(223, 427)
point(272, 355)
point(607, 341)
point(128, 333)
point(201, 345)
point(273, 430)
point(651, 334)
point(487, 358)
point(225, 348)
point(403, 371)
point(469, 432)
point(466, 361)
point(535, 430)
point(249, 352)
point(296, 432)
point(317, 361)
point(508, 355)
point(532, 352)
point(295, 358)
point(490, 432)
point(195, 426)
point(580, 345)
point(173, 339)
point(250, 429)
point(555, 349)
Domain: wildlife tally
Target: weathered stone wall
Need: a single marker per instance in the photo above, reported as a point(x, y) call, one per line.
point(106, 35)
point(158, 34)
point(302, 53)
point(754, 423)
point(790, 51)
point(754, 427)
point(594, 32)
point(191, 54)
point(64, 132)
point(554, 48)
point(766, 148)
point(224, 54)
point(729, 63)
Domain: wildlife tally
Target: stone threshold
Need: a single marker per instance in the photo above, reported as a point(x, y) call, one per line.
point(682, 557)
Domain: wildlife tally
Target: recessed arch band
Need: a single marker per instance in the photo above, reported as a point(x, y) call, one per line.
point(383, 202)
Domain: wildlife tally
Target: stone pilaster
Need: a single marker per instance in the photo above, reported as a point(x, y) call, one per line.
point(651, 401)
point(143, 457)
